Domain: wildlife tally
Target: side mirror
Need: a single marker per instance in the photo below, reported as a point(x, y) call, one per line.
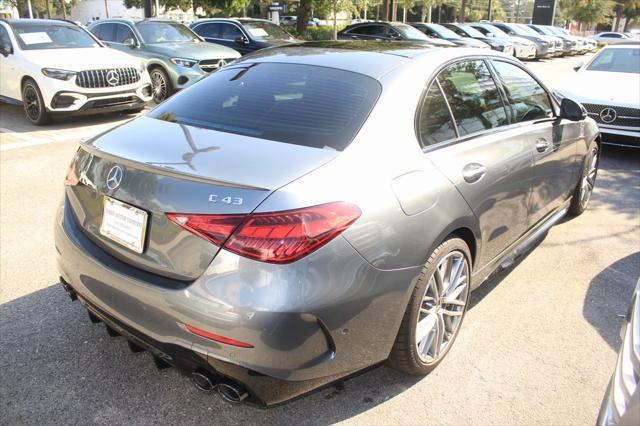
point(242, 40)
point(131, 43)
point(571, 110)
point(577, 66)
point(6, 50)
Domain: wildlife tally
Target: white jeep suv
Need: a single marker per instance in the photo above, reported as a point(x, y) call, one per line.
point(58, 68)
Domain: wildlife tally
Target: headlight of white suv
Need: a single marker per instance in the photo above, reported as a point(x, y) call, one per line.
point(58, 74)
point(181, 62)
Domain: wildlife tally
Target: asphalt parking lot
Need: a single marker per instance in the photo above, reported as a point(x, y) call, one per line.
point(538, 344)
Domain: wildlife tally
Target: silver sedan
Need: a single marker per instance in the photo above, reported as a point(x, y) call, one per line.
point(313, 210)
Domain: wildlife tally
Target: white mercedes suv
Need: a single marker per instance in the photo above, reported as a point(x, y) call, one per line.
point(608, 86)
point(58, 68)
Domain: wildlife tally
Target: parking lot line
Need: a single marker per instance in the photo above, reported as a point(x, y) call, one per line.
point(25, 141)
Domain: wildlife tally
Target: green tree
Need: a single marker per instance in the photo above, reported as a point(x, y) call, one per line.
point(587, 11)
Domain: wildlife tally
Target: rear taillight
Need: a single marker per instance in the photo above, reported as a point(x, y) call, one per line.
point(276, 237)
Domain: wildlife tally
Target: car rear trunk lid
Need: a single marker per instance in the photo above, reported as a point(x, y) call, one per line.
point(172, 168)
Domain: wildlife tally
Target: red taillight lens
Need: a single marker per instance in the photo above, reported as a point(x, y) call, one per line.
point(215, 228)
point(276, 237)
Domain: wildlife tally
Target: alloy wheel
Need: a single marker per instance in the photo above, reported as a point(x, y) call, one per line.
point(159, 85)
point(442, 307)
point(589, 179)
point(31, 103)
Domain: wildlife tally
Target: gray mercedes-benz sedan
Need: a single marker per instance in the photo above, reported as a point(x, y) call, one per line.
point(312, 210)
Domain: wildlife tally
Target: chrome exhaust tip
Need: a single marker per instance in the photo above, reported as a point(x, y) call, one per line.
point(204, 382)
point(232, 392)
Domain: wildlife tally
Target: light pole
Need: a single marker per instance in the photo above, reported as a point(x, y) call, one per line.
point(30, 10)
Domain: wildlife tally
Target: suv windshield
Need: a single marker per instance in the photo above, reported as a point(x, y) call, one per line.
point(490, 29)
point(34, 36)
point(471, 32)
point(297, 104)
point(625, 60)
point(409, 32)
point(524, 30)
point(443, 32)
point(165, 32)
point(266, 31)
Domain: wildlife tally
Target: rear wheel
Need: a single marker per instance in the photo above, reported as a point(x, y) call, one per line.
point(435, 311)
point(582, 194)
point(34, 107)
point(160, 84)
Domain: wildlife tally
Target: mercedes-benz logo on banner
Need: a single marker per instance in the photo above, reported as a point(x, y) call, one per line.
point(608, 115)
point(114, 178)
point(113, 78)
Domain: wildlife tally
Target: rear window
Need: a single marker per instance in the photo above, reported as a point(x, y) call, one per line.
point(297, 104)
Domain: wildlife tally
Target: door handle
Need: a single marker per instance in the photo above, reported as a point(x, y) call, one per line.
point(472, 172)
point(542, 145)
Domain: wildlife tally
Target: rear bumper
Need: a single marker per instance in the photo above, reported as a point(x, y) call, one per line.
point(309, 325)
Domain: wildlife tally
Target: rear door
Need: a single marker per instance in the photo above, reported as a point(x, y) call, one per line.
point(552, 142)
point(488, 160)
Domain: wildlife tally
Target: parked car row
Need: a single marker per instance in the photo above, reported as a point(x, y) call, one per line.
point(520, 40)
point(47, 70)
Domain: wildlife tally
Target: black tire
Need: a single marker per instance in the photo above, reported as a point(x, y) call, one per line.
point(405, 355)
point(580, 200)
point(34, 107)
point(161, 86)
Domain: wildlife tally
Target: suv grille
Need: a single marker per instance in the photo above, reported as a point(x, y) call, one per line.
point(107, 78)
point(210, 65)
point(627, 117)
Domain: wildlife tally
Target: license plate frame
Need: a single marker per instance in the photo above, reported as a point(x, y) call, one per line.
point(124, 224)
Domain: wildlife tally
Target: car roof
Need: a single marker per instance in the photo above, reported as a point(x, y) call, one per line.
point(237, 20)
point(133, 21)
point(372, 58)
point(40, 21)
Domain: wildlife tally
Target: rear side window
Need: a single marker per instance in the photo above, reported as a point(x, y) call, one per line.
point(528, 100)
point(473, 97)
point(297, 104)
point(435, 124)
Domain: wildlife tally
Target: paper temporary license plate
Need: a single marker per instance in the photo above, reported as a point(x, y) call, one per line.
point(124, 224)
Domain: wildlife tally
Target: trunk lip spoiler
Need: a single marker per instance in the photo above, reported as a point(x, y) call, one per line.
point(165, 171)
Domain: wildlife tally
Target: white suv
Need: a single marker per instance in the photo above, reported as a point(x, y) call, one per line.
point(58, 68)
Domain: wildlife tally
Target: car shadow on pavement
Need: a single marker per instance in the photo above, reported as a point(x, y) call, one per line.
point(56, 367)
point(608, 297)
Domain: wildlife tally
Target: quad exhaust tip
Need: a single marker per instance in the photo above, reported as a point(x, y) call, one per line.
point(228, 390)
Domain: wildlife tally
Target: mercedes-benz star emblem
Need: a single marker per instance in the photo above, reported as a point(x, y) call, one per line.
point(114, 178)
point(608, 115)
point(113, 78)
point(221, 63)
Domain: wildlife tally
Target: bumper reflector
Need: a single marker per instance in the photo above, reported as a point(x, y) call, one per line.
point(217, 338)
